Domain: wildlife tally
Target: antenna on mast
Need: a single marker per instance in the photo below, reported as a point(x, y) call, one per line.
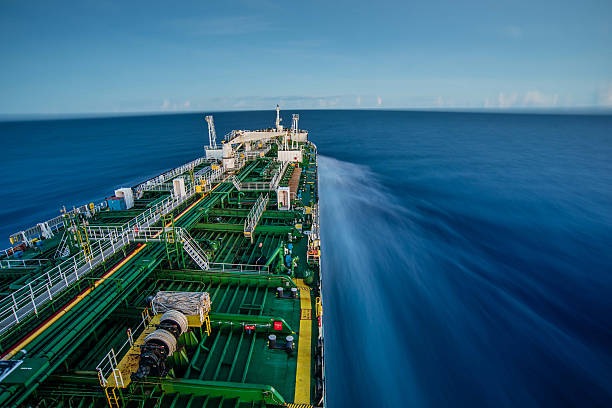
point(212, 135)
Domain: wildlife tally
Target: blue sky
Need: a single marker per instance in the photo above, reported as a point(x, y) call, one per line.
point(106, 56)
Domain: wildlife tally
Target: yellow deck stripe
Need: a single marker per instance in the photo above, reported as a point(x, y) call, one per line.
point(302, 375)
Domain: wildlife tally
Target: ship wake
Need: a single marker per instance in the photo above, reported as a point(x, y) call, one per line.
point(429, 304)
point(364, 236)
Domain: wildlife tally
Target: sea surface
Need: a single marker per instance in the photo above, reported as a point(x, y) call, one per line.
point(467, 257)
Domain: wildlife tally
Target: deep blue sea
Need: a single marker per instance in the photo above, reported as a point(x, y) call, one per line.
point(467, 257)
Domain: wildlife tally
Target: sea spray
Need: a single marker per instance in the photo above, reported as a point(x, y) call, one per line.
point(363, 236)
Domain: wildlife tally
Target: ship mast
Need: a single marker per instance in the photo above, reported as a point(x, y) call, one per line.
point(294, 130)
point(278, 119)
point(212, 135)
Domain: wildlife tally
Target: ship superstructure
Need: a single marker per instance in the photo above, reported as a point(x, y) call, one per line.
point(199, 287)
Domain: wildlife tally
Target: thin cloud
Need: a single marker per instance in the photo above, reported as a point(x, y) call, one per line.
point(537, 98)
point(529, 99)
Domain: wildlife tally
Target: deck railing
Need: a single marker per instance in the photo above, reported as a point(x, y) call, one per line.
point(29, 298)
point(22, 263)
point(153, 183)
point(108, 364)
point(240, 268)
point(107, 241)
point(255, 214)
point(53, 225)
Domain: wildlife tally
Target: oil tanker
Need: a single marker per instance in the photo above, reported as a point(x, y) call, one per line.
point(200, 287)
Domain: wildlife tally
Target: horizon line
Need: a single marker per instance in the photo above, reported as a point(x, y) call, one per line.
point(590, 110)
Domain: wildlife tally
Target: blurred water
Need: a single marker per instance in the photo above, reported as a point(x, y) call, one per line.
point(466, 256)
point(467, 260)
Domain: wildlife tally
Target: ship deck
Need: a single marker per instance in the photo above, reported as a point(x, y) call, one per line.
point(62, 343)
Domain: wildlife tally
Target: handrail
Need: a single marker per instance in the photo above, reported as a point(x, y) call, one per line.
point(40, 290)
point(53, 224)
point(242, 268)
point(61, 248)
point(37, 292)
point(162, 178)
point(21, 263)
point(277, 177)
point(193, 249)
point(27, 299)
point(255, 214)
point(108, 364)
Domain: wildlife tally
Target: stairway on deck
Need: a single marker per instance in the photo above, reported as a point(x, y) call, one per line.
point(294, 182)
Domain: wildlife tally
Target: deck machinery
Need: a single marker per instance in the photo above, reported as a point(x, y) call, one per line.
point(202, 288)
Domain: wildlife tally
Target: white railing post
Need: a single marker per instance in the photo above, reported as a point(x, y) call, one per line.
point(129, 333)
point(114, 357)
point(32, 297)
point(15, 314)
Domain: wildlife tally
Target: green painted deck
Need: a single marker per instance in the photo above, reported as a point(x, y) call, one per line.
point(229, 367)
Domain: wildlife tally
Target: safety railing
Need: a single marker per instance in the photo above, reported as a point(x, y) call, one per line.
point(108, 365)
point(256, 186)
point(241, 268)
point(314, 234)
point(314, 248)
point(63, 249)
point(255, 214)
point(252, 185)
point(137, 233)
point(193, 249)
point(203, 171)
point(22, 263)
point(32, 296)
point(207, 179)
point(236, 183)
point(107, 241)
point(254, 154)
point(151, 184)
point(277, 177)
point(52, 225)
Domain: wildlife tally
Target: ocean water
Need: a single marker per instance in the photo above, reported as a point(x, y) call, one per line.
point(466, 256)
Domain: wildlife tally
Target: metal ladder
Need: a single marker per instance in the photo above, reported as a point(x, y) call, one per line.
point(236, 183)
point(255, 214)
point(62, 248)
point(111, 397)
point(193, 250)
